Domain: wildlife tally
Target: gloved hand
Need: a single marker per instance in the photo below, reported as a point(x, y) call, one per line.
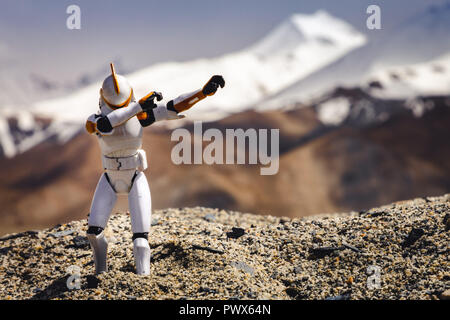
point(147, 101)
point(213, 84)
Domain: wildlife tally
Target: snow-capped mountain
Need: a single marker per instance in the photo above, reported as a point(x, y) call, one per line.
point(381, 92)
point(298, 47)
point(422, 38)
point(407, 81)
point(303, 58)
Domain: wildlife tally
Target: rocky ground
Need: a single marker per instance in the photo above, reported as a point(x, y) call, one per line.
point(200, 253)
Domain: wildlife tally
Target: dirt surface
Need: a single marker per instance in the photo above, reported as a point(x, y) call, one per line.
point(200, 253)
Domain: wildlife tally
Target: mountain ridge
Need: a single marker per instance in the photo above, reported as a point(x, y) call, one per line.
point(398, 47)
point(250, 74)
point(381, 151)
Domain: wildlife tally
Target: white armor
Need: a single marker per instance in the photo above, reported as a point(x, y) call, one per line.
point(124, 162)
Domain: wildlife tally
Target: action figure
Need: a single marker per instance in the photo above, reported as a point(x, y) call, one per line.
point(118, 126)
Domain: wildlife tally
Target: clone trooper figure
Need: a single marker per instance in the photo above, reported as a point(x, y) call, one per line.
point(118, 126)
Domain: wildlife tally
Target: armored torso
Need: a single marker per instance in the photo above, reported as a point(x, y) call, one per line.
point(124, 140)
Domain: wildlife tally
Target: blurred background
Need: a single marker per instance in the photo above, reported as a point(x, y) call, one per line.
point(363, 114)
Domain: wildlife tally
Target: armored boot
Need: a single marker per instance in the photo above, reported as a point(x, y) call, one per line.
point(141, 251)
point(99, 246)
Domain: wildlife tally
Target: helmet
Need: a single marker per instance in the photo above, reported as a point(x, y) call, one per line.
point(116, 91)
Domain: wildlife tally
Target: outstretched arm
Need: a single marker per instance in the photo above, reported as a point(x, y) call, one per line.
point(153, 112)
point(105, 124)
point(186, 101)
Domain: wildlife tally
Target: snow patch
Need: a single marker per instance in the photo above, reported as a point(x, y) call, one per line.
point(334, 111)
point(6, 139)
point(409, 81)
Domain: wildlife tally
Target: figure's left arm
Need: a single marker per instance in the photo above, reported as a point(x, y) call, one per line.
point(182, 103)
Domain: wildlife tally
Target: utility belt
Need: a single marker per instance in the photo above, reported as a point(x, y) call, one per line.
point(138, 161)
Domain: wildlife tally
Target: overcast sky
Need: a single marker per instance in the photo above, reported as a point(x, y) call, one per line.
point(141, 32)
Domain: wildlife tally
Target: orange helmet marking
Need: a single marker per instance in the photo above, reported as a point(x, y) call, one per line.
point(113, 73)
point(113, 106)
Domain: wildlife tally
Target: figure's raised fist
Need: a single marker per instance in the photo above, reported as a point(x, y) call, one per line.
point(158, 96)
point(147, 101)
point(213, 84)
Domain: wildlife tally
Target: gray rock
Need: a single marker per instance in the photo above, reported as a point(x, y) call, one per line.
point(320, 252)
point(210, 217)
point(80, 242)
point(243, 266)
point(236, 233)
point(62, 233)
point(348, 246)
point(413, 236)
point(345, 296)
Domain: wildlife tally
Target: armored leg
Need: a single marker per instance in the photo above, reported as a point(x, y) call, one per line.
point(102, 204)
point(139, 200)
